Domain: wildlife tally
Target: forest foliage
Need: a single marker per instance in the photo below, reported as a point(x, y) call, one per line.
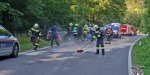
point(20, 15)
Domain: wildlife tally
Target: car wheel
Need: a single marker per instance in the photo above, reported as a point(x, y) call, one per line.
point(15, 51)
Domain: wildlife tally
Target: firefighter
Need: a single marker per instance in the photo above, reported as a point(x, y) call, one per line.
point(95, 28)
point(99, 36)
point(85, 30)
point(75, 31)
point(70, 30)
point(35, 33)
point(108, 35)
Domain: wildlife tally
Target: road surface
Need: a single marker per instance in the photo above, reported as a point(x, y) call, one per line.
point(64, 60)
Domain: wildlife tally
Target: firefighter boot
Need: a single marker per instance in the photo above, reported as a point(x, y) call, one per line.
point(103, 51)
point(35, 47)
point(97, 51)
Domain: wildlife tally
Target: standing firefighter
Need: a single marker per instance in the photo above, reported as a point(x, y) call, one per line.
point(35, 33)
point(85, 30)
point(99, 36)
point(70, 30)
point(108, 35)
point(75, 31)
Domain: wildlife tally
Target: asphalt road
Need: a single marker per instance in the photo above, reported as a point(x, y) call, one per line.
point(64, 60)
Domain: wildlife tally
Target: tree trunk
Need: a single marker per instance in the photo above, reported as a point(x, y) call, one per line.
point(44, 25)
point(93, 18)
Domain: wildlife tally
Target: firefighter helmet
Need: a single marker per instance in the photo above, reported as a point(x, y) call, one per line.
point(76, 24)
point(95, 26)
point(70, 24)
point(85, 25)
point(36, 25)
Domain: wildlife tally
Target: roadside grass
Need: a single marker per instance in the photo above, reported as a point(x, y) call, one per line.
point(25, 44)
point(141, 54)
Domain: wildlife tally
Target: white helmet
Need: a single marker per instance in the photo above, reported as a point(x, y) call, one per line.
point(36, 25)
point(85, 25)
point(70, 24)
point(95, 26)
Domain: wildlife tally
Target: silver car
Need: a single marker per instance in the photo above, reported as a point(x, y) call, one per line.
point(9, 45)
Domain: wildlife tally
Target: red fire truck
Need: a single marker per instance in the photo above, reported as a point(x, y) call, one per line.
point(133, 28)
point(124, 29)
point(127, 29)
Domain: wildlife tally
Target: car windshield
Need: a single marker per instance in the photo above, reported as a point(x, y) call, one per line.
point(3, 32)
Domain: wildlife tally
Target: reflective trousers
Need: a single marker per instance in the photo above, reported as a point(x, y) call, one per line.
point(100, 42)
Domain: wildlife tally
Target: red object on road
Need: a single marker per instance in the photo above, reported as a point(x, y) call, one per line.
point(79, 51)
point(124, 29)
point(58, 40)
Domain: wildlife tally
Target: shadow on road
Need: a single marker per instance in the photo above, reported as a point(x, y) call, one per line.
point(4, 58)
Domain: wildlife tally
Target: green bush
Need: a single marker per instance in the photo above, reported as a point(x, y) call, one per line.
point(141, 55)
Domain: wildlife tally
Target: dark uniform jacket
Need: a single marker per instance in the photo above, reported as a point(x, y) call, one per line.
point(35, 32)
point(99, 34)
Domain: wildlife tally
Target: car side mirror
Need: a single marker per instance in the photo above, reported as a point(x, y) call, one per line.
point(9, 35)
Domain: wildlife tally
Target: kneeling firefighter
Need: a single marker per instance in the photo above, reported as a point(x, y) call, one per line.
point(35, 33)
point(99, 36)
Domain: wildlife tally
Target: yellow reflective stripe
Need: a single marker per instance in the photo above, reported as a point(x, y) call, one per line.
point(36, 44)
point(98, 35)
point(40, 34)
point(94, 36)
point(29, 32)
point(102, 47)
point(34, 29)
point(85, 32)
point(97, 47)
point(96, 31)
